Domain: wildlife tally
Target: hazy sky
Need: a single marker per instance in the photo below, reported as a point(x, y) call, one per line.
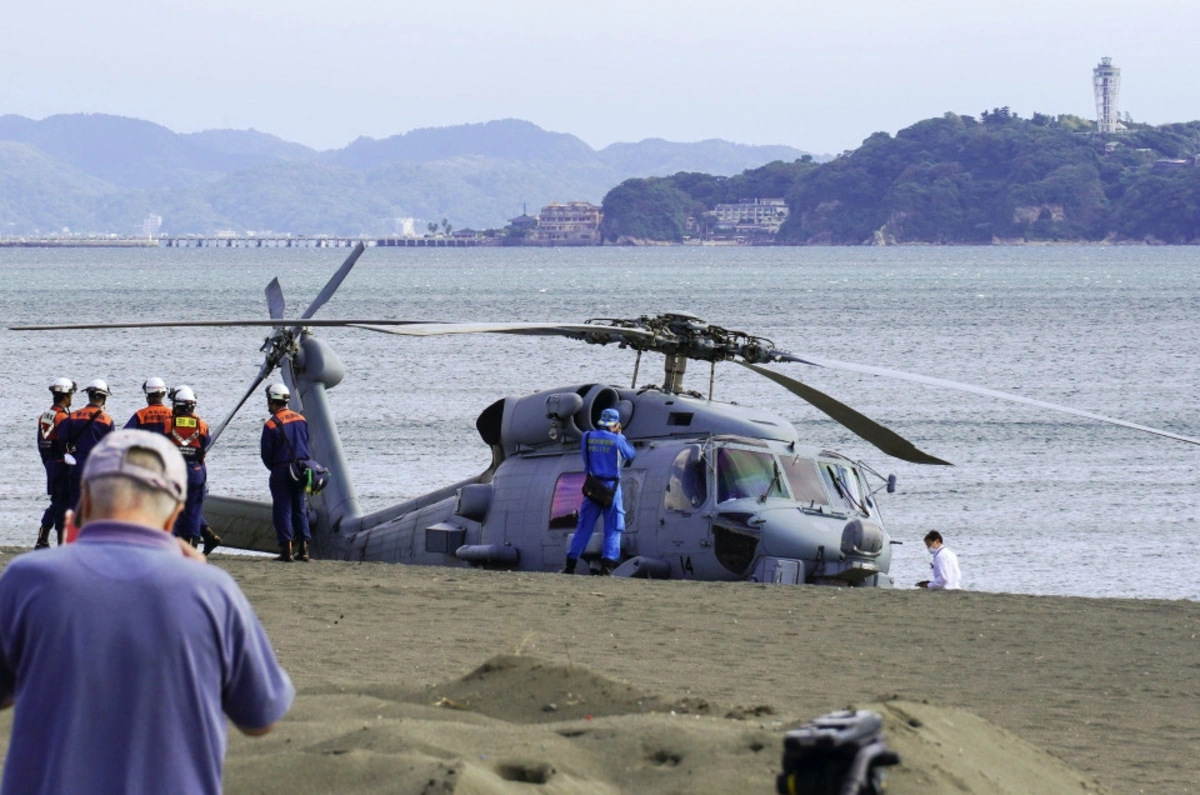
point(818, 76)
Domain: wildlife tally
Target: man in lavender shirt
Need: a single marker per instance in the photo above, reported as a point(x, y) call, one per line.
point(122, 656)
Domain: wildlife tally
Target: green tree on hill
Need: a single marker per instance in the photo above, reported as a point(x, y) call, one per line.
point(953, 179)
point(646, 209)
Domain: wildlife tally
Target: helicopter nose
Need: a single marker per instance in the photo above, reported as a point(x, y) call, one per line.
point(743, 537)
point(830, 549)
point(788, 533)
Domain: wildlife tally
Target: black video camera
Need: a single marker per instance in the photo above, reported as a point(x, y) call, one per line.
point(841, 753)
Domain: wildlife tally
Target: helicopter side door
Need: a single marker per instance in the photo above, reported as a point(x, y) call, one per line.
point(563, 518)
point(683, 534)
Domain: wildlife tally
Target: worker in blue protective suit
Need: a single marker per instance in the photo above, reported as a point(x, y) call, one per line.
point(154, 416)
point(190, 434)
point(604, 453)
point(80, 432)
point(284, 445)
point(57, 472)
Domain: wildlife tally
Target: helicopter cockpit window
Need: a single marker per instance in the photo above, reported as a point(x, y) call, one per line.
point(746, 473)
point(805, 480)
point(845, 487)
point(687, 488)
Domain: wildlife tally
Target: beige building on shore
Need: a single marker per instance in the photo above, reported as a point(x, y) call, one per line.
point(569, 224)
point(760, 214)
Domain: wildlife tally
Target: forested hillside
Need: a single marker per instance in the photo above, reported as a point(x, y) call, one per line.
point(657, 208)
point(955, 179)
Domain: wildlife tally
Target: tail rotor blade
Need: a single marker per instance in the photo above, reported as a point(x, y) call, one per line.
point(886, 440)
point(275, 303)
point(262, 375)
point(334, 282)
point(275, 345)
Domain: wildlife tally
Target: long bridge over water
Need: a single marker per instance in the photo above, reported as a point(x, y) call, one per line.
point(223, 241)
point(321, 242)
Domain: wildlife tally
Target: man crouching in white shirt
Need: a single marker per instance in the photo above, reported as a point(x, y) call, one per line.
point(946, 574)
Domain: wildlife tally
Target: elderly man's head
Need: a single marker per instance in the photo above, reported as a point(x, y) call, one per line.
point(133, 476)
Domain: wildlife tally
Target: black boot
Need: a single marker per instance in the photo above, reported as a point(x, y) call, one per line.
point(570, 567)
point(285, 552)
point(302, 553)
point(211, 539)
point(43, 539)
point(607, 566)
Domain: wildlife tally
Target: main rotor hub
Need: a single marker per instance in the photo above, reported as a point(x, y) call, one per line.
point(282, 343)
point(682, 334)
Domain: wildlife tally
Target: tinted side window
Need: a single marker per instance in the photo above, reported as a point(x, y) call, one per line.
point(564, 508)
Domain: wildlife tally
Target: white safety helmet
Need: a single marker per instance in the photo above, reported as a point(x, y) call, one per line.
point(183, 394)
point(278, 391)
point(154, 386)
point(63, 386)
point(97, 387)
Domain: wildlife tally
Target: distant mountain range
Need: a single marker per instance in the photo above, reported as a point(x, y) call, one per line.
point(101, 173)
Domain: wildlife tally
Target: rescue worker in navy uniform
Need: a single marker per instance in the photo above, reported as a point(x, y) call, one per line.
point(284, 444)
point(604, 453)
point(154, 417)
point(82, 431)
point(51, 450)
point(190, 434)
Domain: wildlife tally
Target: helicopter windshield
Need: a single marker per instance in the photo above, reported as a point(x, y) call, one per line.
point(747, 473)
point(845, 485)
point(805, 481)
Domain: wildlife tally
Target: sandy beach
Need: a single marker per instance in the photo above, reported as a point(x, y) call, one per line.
point(415, 679)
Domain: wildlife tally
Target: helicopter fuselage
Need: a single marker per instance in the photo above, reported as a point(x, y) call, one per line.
point(717, 492)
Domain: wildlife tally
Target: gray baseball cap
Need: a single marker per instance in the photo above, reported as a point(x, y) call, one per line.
point(109, 459)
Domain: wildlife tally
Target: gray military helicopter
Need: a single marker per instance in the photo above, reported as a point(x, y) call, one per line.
point(718, 491)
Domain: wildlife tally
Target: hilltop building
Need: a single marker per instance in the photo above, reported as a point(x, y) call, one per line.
point(1106, 81)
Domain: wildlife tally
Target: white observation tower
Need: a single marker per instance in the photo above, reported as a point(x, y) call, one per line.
point(1106, 79)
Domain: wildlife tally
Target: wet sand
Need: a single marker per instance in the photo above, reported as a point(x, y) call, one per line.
point(415, 679)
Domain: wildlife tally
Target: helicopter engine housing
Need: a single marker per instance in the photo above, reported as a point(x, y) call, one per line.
point(473, 501)
point(555, 416)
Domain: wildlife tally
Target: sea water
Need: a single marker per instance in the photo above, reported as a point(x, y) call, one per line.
point(1036, 502)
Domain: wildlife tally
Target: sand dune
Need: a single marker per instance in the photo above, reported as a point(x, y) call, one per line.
point(435, 680)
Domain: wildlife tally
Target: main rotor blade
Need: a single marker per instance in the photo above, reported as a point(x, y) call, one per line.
point(334, 282)
point(275, 303)
point(886, 440)
point(279, 323)
point(587, 331)
point(978, 390)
